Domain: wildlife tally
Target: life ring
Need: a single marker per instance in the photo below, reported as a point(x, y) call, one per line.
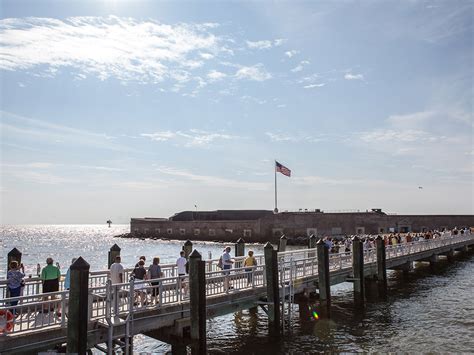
point(6, 321)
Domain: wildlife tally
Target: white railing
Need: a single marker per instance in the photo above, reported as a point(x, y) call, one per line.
point(46, 310)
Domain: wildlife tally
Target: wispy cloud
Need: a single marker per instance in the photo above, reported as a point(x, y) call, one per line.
point(312, 86)
point(256, 73)
point(21, 126)
point(213, 181)
point(300, 66)
point(265, 44)
point(215, 75)
point(350, 76)
point(292, 53)
point(191, 138)
point(105, 47)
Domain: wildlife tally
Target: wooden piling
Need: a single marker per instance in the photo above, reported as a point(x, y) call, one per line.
point(312, 244)
point(240, 247)
point(78, 315)
point(187, 248)
point(13, 255)
point(324, 281)
point(197, 302)
point(282, 244)
point(113, 252)
point(381, 266)
point(358, 271)
point(273, 294)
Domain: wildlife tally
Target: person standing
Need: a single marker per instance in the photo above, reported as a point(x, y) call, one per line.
point(139, 273)
point(67, 280)
point(15, 281)
point(116, 271)
point(226, 266)
point(249, 264)
point(50, 276)
point(154, 272)
point(181, 266)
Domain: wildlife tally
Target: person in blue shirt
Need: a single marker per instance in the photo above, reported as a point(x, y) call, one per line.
point(67, 280)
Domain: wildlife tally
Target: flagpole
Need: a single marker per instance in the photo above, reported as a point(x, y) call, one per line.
point(276, 206)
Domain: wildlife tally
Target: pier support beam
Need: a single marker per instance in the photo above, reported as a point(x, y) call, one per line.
point(13, 255)
point(371, 286)
point(282, 244)
point(358, 270)
point(381, 267)
point(78, 314)
point(450, 255)
point(197, 300)
point(273, 294)
point(113, 253)
point(324, 283)
point(187, 248)
point(406, 268)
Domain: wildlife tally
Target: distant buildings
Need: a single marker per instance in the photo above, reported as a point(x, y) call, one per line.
point(264, 225)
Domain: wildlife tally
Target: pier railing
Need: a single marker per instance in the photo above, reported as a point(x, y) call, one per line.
point(39, 311)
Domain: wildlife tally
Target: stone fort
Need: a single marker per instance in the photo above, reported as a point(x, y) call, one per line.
point(265, 225)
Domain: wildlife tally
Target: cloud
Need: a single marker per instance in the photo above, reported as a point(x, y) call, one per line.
point(279, 137)
point(312, 86)
point(256, 73)
point(349, 76)
point(292, 53)
point(260, 44)
point(108, 47)
point(191, 138)
point(265, 44)
point(20, 126)
point(300, 66)
point(215, 75)
point(213, 181)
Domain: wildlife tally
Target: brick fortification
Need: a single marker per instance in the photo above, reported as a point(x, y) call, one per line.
point(263, 225)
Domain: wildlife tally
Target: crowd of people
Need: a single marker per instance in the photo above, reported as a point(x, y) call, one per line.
point(344, 244)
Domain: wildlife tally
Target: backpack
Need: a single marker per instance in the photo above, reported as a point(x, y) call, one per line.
point(220, 263)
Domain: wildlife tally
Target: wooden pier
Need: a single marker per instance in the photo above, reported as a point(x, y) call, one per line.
point(95, 313)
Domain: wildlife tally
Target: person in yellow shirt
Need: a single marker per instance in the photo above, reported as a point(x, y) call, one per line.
point(249, 264)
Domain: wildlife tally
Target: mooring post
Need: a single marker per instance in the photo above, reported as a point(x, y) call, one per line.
point(381, 266)
point(197, 302)
point(358, 270)
point(324, 282)
point(188, 248)
point(282, 244)
point(113, 252)
point(273, 291)
point(78, 315)
point(13, 255)
point(312, 244)
point(239, 251)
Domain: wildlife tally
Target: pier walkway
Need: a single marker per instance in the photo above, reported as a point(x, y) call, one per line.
point(114, 316)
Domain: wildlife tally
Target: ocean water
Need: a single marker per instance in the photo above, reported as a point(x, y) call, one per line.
point(430, 311)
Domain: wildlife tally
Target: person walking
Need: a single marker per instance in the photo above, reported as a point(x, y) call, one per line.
point(116, 271)
point(154, 273)
point(226, 266)
point(249, 264)
point(181, 266)
point(15, 281)
point(50, 276)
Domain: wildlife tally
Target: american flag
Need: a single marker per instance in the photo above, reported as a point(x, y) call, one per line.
point(282, 169)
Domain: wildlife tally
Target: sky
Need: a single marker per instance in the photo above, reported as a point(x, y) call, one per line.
point(120, 109)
